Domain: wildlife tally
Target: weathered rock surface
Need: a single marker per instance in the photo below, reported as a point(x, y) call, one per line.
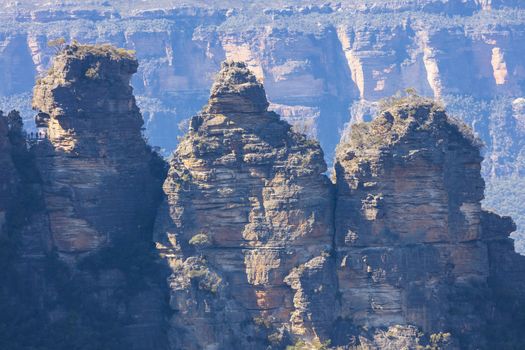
point(80, 269)
point(259, 249)
point(413, 245)
point(323, 58)
point(246, 227)
point(96, 166)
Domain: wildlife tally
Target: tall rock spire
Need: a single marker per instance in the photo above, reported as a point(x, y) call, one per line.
point(101, 185)
point(247, 226)
point(236, 90)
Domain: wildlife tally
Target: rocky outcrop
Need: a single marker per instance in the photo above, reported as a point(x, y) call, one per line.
point(324, 59)
point(246, 227)
point(413, 245)
point(258, 248)
point(98, 182)
point(84, 247)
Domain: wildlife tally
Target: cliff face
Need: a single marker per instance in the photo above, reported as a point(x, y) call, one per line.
point(371, 55)
point(246, 227)
point(258, 249)
point(323, 64)
point(96, 167)
point(413, 244)
point(80, 268)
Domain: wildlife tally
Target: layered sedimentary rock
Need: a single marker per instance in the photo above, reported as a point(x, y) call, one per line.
point(413, 245)
point(371, 55)
point(98, 186)
point(94, 162)
point(327, 59)
point(246, 227)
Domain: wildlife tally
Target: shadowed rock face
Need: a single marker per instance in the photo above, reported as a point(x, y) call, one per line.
point(411, 236)
point(8, 175)
point(100, 188)
point(95, 164)
point(246, 227)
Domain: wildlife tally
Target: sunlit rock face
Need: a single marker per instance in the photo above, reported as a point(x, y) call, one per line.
point(246, 227)
point(411, 237)
point(255, 247)
point(95, 164)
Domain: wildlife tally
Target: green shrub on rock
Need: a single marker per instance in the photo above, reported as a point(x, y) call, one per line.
point(200, 240)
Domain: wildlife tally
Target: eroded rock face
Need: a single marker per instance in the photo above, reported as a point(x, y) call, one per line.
point(100, 185)
point(411, 237)
point(246, 227)
point(95, 165)
point(322, 59)
point(259, 249)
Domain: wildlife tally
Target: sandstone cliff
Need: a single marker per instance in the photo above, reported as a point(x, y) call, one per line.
point(323, 64)
point(82, 269)
point(96, 166)
point(258, 249)
point(316, 56)
point(246, 227)
point(413, 244)
point(248, 222)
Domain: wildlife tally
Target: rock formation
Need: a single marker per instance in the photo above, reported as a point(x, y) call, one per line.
point(246, 227)
point(255, 247)
point(505, 317)
point(248, 221)
point(413, 245)
point(320, 61)
point(96, 167)
point(81, 270)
